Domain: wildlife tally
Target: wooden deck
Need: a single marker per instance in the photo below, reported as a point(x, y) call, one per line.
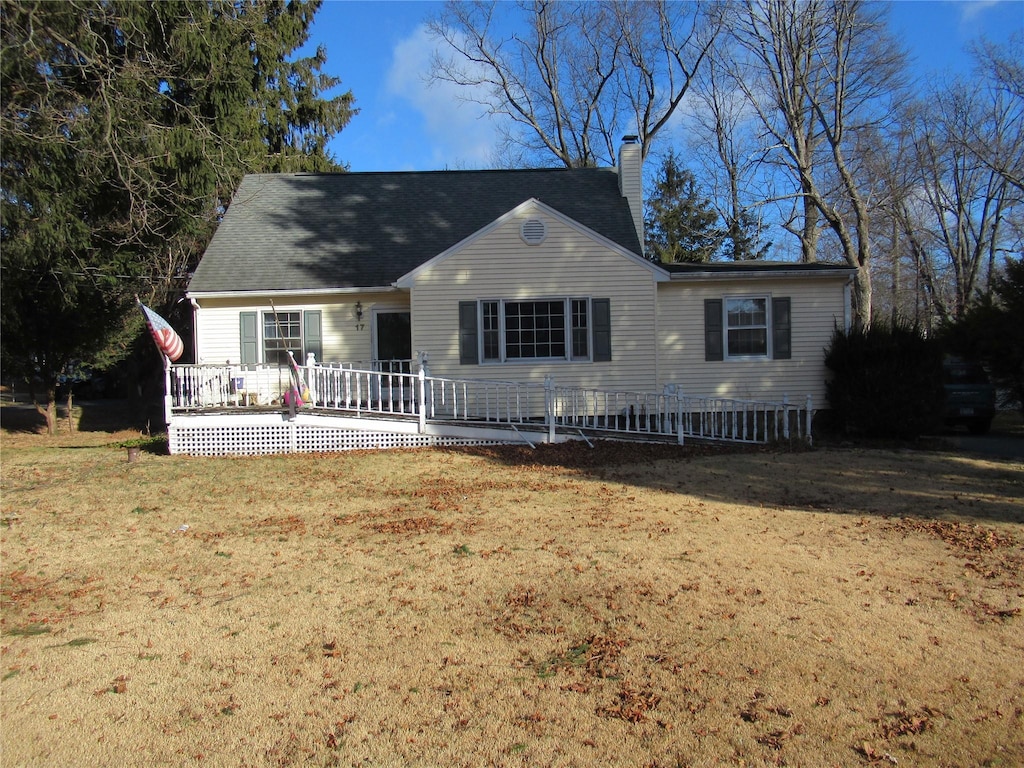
point(213, 411)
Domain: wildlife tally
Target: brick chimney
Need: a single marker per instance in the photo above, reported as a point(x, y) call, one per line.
point(631, 181)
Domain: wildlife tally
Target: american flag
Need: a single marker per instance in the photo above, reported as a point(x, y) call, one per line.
point(167, 340)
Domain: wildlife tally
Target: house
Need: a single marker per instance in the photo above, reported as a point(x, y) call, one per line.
point(504, 275)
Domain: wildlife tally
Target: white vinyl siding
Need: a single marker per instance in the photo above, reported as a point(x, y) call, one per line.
point(816, 307)
point(569, 264)
point(343, 340)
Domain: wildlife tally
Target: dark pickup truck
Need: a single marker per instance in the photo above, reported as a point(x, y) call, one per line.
point(970, 396)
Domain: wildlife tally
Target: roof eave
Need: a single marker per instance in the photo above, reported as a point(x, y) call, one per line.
point(290, 292)
point(832, 273)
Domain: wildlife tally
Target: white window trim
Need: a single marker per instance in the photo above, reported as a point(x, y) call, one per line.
point(767, 326)
point(263, 335)
point(503, 359)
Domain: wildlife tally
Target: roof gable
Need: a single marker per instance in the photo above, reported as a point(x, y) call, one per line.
point(529, 206)
point(296, 232)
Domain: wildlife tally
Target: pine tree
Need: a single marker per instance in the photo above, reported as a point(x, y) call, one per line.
point(739, 244)
point(680, 224)
point(126, 128)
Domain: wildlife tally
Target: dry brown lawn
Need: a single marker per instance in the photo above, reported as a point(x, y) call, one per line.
point(622, 605)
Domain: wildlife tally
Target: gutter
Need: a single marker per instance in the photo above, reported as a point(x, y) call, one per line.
point(702, 276)
point(196, 295)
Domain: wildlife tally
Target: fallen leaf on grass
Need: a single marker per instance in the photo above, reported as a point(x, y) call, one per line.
point(873, 755)
point(632, 705)
point(119, 685)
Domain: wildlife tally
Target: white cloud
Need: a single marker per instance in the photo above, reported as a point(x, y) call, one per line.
point(972, 9)
point(458, 134)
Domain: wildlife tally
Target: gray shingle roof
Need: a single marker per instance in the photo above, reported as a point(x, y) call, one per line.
point(347, 230)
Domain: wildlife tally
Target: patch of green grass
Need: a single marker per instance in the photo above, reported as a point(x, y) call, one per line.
point(29, 630)
point(573, 657)
point(9, 674)
point(78, 642)
point(463, 551)
point(219, 553)
point(140, 511)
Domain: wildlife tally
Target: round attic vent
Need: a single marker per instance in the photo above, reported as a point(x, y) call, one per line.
point(533, 231)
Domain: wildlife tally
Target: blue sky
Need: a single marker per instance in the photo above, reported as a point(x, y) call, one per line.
point(381, 51)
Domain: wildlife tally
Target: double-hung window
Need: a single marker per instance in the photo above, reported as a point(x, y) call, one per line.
point(268, 336)
point(747, 328)
point(282, 331)
point(510, 330)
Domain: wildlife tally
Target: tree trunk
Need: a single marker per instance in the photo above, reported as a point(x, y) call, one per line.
point(809, 232)
point(71, 416)
point(862, 297)
point(49, 412)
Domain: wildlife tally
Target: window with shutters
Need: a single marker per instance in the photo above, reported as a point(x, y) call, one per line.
point(747, 327)
point(746, 324)
point(278, 333)
point(513, 330)
point(282, 331)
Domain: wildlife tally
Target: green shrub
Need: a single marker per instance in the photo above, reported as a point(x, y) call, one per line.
point(887, 382)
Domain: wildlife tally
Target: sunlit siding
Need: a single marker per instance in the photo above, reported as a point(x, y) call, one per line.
point(344, 338)
point(817, 307)
point(499, 265)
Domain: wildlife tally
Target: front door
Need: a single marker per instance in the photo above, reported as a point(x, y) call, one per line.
point(393, 340)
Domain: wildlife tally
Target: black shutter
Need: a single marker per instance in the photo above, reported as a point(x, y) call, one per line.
point(713, 348)
point(782, 347)
point(248, 332)
point(602, 322)
point(469, 348)
point(312, 335)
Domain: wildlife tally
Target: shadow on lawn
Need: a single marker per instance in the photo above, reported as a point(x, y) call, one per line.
point(885, 481)
point(90, 416)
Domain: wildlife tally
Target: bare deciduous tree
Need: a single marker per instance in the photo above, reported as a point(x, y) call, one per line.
point(727, 150)
point(818, 74)
point(580, 75)
point(954, 217)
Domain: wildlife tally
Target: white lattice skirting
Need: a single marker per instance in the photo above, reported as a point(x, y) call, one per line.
point(256, 434)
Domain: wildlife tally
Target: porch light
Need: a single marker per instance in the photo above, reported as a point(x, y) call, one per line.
point(359, 311)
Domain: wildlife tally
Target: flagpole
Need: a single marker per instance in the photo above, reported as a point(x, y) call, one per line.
point(293, 369)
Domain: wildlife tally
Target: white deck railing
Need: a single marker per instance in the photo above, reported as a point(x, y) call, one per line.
point(671, 413)
point(406, 390)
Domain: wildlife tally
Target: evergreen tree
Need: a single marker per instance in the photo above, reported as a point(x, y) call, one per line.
point(680, 224)
point(991, 331)
point(739, 244)
point(126, 128)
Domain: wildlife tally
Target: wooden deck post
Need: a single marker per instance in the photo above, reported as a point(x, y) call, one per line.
point(549, 406)
point(785, 416)
point(422, 376)
point(168, 399)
